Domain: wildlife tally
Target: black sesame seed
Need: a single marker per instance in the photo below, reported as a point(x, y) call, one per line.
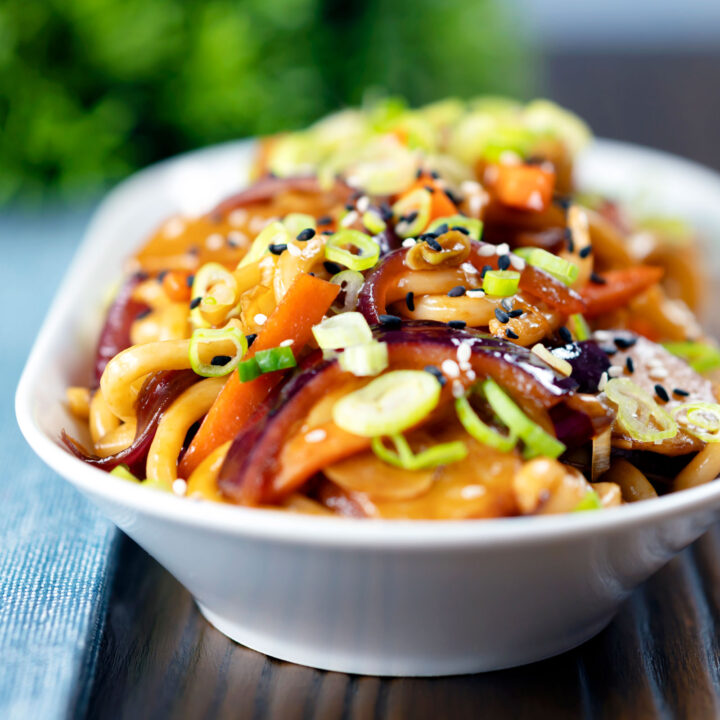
point(410, 301)
point(324, 220)
point(277, 248)
point(418, 173)
point(435, 174)
point(390, 320)
point(195, 302)
point(457, 324)
point(680, 392)
point(624, 343)
point(250, 338)
point(452, 197)
point(507, 304)
point(510, 334)
point(562, 202)
point(441, 230)
point(327, 232)
point(569, 240)
point(349, 207)
point(584, 252)
point(436, 372)
point(356, 195)
point(434, 244)
point(460, 229)
point(515, 313)
point(190, 280)
point(221, 360)
point(429, 188)
point(161, 275)
point(597, 279)
point(410, 217)
point(231, 243)
point(501, 315)
point(143, 314)
point(565, 334)
point(331, 267)
point(386, 212)
point(305, 234)
point(194, 250)
point(427, 236)
point(608, 349)
point(485, 268)
point(661, 392)
point(629, 364)
point(504, 262)
point(457, 291)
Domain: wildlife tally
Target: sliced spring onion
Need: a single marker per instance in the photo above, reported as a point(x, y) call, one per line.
point(501, 283)
point(479, 430)
point(638, 414)
point(342, 331)
point(700, 419)
point(248, 370)
point(473, 226)
point(388, 404)
point(210, 274)
point(336, 249)
point(351, 282)
point(219, 338)
point(412, 213)
point(702, 357)
point(365, 360)
point(373, 222)
point(578, 327)
point(123, 471)
point(404, 457)
point(591, 501)
point(565, 271)
point(537, 441)
point(273, 234)
point(296, 222)
point(277, 358)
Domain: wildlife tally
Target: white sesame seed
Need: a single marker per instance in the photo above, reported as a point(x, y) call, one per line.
point(316, 436)
point(214, 241)
point(472, 492)
point(602, 335)
point(457, 389)
point(363, 204)
point(469, 187)
point(174, 227)
point(468, 268)
point(658, 373)
point(179, 487)
point(260, 319)
point(294, 250)
point(464, 352)
point(464, 365)
point(236, 237)
point(502, 249)
point(603, 382)
point(450, 368)
point(486, 250)
point(615, 371)
point(470, 374)
point(517, 262)
point(237, 217)
point(286, 343)
point(408, 242)
point(535, 201)
point(349, 219)
point(477, 293)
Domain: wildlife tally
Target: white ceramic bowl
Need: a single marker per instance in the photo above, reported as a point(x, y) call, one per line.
point(370, 597)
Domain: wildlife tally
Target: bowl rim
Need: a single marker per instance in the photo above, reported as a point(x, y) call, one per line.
point(335, 532)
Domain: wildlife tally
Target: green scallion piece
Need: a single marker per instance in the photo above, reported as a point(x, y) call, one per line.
point(404, 457)
point(472, 225)
point(537, 441)
point(579, 327)
point(277, 358)
point(218, 338)
point(123, 471)
point(373, 222)
point(591, 501)
point(337, 249)
point(479, 430)
point(248, 370)
point(702, 357)
point(501, 283)
point(561, 269)
point(365, 360)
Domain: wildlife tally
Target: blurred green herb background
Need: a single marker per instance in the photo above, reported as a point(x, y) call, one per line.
point(92, 89)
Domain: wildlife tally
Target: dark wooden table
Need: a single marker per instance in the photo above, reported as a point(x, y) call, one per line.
point(660, 657)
